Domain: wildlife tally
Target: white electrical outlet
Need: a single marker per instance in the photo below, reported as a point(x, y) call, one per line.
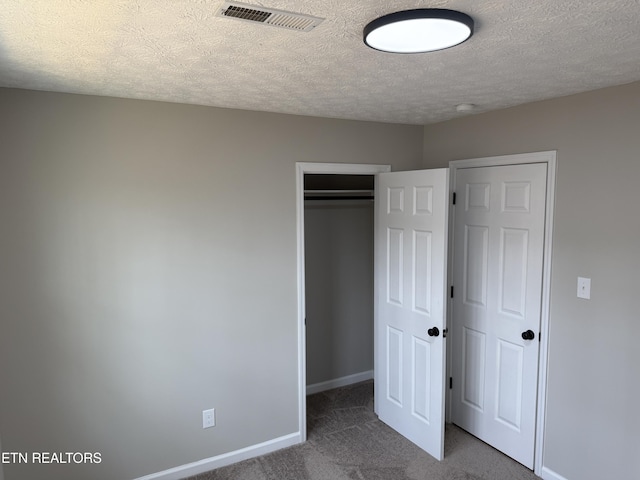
point(209, 418)
point(584, 288)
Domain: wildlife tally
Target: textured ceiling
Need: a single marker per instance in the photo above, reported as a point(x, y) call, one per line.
point(180, 51)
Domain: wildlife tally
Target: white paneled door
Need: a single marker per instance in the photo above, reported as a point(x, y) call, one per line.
point(411, 258)
point(497, 278)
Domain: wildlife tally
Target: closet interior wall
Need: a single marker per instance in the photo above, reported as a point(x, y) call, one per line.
point(339, 282)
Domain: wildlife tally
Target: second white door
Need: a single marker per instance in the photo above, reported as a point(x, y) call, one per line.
point(497, 278)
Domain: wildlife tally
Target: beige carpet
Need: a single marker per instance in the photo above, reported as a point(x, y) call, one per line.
point(346, 441)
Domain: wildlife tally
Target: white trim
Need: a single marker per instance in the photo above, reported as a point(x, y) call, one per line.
point(549, 158)
point(516, 159)
point(339, 382)
point(543, 367)
point(342, 168)
point(301, 169)
point(225, 459)
point(548, 474)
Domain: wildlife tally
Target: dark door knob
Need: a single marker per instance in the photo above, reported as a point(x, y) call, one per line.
point(433, 332)
point(528, 335)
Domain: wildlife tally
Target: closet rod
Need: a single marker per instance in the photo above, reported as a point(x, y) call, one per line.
point(343, 197)
point(338, 195)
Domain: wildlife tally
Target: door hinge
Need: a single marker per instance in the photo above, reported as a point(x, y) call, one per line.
point(451, 291)
point(450, 383)
point(454, 198)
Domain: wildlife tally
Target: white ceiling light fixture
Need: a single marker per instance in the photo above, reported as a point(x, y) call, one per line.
point(418, 31)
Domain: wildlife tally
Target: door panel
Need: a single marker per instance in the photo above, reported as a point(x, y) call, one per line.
point(513, 271)
point(422, 246)
point(499, 227)
point(473, 368)
point(411, 253)
point(509, 401)
point(395, 264)
point(394, 365)
point(476, 245)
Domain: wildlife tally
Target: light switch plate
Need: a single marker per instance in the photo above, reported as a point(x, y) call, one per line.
point(584, 288)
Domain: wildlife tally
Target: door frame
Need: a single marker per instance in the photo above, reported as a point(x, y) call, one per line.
point(548, 157)
point(303, 168)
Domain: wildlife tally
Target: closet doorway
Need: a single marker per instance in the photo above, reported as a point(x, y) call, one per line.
point(335, 275)
point(338, 237)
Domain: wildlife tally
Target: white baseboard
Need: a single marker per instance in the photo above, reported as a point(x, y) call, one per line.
point(339, 382)
point(548, 474)
point(225, 459)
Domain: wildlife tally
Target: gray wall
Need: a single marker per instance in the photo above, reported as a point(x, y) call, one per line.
point(592, 428)
point(1, 466)
point(149, 272)
point(339, 288)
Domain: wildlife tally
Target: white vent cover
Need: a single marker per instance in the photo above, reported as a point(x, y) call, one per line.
point(269, 16)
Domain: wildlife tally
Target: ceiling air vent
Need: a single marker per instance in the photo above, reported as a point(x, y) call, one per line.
point(269, 16)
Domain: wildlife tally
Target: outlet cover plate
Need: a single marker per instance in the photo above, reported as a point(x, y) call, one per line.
point(209, 418)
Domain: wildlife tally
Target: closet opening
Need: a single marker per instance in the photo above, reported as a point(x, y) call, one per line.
point(341, 352)
point(339, 260)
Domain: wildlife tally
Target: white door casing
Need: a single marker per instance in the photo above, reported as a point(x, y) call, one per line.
point(499, 239)
point(303, 168)
point(410, 299)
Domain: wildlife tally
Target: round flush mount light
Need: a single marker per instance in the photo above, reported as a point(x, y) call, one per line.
point(418, 31)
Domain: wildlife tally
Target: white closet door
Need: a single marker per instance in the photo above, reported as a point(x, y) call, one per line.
point(497, 277)
point(410, 275)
